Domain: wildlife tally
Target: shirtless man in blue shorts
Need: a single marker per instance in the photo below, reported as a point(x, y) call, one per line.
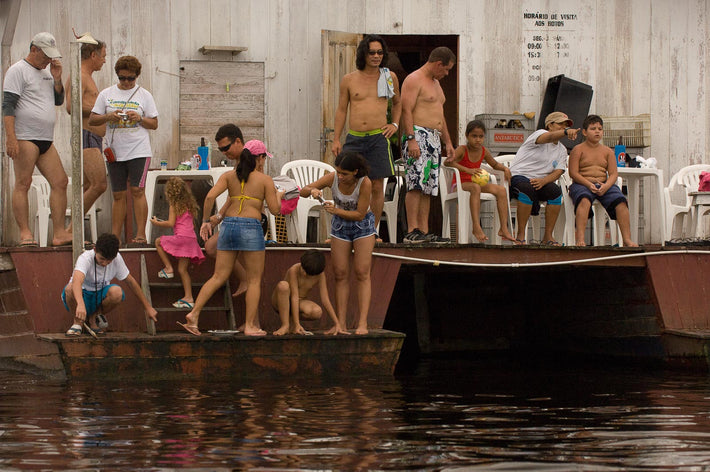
point(367, 91)
point(424, 128)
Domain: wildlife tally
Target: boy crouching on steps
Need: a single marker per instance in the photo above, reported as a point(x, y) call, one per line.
point(289, 298)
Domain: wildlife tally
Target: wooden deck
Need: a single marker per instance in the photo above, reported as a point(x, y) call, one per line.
point(227, 356)
point(649, 303)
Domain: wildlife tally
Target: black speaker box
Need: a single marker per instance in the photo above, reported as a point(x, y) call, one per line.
point(569, 96)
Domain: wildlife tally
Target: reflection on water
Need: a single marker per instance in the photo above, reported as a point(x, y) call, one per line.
point(446, 414)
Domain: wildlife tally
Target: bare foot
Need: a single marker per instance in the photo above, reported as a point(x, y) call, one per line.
point(507, 236)
point(630, 244)
point(62, 239)
point(254, 331)
point(580, 243)
point(361, 331)
point(481, 236)
point(281, 331)
point(241, 289)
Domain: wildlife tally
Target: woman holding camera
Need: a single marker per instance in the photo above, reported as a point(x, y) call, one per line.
point(129, 111)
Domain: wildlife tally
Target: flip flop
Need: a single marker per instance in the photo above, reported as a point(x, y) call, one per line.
point(182, 304)
point(91, 331)
point(190, 329)
point(551, 243)
point(75, 330)
point(30, 242)
point(165, 275)
point(520, 242)
point(139, 241)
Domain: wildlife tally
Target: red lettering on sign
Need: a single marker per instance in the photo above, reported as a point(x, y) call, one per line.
point(508, 138)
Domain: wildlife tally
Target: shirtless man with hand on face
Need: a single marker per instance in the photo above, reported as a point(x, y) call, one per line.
point(367, 91)
point(93, 57)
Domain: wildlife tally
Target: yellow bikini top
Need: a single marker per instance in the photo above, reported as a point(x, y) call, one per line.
point(242, 197)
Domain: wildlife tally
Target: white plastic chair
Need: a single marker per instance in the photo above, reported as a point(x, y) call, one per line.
point(389, 211)
point(304, 172)
point(42, 190)
point(458, 201)
point(599, 221)
point(685, 180)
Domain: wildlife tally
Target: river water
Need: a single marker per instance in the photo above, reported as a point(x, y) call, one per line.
point(448, 414)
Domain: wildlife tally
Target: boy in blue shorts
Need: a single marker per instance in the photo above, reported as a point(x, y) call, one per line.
point(90, 290)
point(592, 167)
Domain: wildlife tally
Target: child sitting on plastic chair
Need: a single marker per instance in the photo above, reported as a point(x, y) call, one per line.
point(468, 159)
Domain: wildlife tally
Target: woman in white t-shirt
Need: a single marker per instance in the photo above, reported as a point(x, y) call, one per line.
point(129, 111)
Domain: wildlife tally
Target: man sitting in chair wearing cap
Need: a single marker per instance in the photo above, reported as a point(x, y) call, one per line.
point(30, 93)
point(539, 162)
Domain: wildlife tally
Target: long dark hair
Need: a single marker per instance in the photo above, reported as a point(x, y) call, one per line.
point(354, 162)
point(364, 47)
point(247, 163)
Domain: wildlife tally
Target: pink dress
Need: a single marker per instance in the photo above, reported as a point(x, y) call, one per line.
point(183, 242)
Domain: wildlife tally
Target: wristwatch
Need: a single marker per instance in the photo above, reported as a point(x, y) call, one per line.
point(567, 135)
point(409, 137)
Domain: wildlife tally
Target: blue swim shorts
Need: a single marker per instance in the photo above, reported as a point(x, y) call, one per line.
point(241, 234)
point(92, 299)
point(349, 230)
point(609, 200)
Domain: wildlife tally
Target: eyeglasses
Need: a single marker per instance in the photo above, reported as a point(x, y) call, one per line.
point(226, 148)
point(379, 52)
point(126, 77)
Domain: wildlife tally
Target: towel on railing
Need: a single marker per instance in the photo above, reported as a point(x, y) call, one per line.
point(704, 182)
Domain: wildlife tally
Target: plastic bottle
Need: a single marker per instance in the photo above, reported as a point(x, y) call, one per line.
point(204, 153)
point(620, 152)
point(163, 164)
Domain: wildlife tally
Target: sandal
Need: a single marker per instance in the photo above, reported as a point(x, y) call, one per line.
point(551, 242)
point(75, 330)
point(182, 304)
point(165, 275)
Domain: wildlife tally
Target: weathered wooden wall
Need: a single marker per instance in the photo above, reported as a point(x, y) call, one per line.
point(640, 56)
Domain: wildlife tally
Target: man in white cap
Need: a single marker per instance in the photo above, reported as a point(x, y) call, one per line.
point(539, 162)
point(30, 94)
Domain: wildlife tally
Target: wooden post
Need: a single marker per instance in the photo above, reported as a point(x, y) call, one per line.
point(77, 161)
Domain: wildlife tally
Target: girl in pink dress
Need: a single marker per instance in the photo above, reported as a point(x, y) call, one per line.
point(183, 243)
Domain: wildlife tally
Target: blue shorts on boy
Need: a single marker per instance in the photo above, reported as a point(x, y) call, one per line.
point(92, 299)
point(349, 230)
point(609, 200)
point(241, 234)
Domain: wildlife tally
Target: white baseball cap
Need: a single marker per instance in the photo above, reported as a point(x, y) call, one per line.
point(46, 42)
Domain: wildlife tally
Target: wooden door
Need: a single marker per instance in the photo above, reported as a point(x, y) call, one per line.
point(338, 49)
point(216, 93)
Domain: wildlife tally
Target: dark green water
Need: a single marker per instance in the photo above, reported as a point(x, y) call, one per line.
point(443, 414)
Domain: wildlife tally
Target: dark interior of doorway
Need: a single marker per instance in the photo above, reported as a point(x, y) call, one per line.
point(411, 51)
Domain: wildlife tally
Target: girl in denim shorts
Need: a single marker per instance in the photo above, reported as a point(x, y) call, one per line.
point(352, 230)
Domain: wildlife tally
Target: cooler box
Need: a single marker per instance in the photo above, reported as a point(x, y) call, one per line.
point(504, 132)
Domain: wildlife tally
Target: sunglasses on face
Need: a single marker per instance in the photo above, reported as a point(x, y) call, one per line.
point(379, 52)
point(226, 147)
point(126, 77)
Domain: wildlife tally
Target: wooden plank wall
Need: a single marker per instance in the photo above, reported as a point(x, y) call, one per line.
point(640, 56)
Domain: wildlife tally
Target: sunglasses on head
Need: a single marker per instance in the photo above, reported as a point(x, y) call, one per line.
point(378, 52)
point(126, 77)
point(226, 147)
